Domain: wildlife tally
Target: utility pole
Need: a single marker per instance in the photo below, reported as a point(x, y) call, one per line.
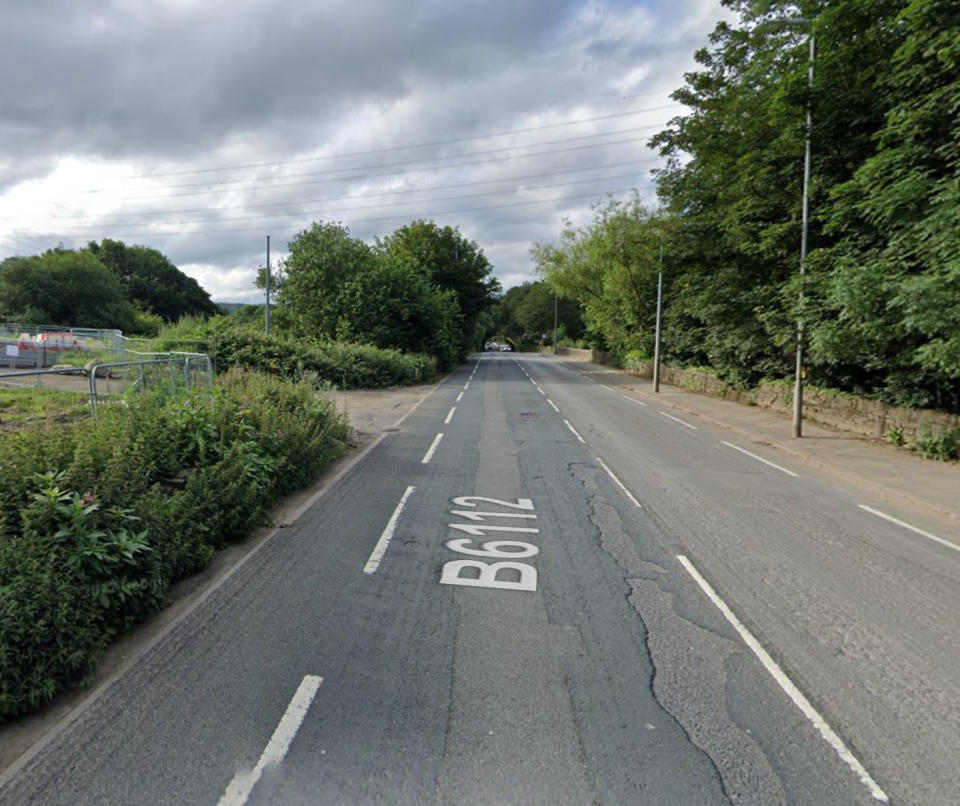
point(554, 321)
point(656, 337)
point(268, 285)
point(798, 380)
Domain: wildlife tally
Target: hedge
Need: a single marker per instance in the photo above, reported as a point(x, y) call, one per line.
point(100, 517)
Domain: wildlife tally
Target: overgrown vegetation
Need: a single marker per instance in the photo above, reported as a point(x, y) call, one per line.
point(99, 517)
point(880, 295)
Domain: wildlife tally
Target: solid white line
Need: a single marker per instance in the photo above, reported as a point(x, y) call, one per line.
point(574, 430)
point(787, 685)
point(429, 454)
point(449, 416)
point(677, 419)
point(634, 400)
point(906, 525)
point(554, 405)
point(541, 391)
point(619, 483)
point(459, 396)
point(761, 459)
point(373, 563)
point(242, 785)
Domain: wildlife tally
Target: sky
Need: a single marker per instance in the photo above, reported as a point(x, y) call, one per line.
point(200, 127)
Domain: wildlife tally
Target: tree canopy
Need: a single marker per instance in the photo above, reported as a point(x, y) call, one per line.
point(880, 297)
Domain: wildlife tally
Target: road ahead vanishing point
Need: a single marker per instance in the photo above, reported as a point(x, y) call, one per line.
point(542, 589)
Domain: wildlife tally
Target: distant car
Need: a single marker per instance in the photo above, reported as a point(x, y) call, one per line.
point(506, 348)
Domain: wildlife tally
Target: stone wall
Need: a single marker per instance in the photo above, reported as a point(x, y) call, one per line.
point(848, 412)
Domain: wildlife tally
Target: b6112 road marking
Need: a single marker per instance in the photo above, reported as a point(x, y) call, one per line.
point(507, 573)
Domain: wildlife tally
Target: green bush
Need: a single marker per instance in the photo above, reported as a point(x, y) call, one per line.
point(99, 518)
point(943, 445)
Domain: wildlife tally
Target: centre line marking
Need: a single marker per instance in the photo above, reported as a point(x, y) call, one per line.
point(384, 542)
point(574, 430)
point(610, 389)
point(449, 416)
point(906, 525)
point(786, 684)
point(554, 405)
point(466, 386)
point(433, 447)
point(677, 419)
point(634, 400)
point(619, 483)
point(540, 390)
point(761, 459)
point(459, 396)
point(242, 785)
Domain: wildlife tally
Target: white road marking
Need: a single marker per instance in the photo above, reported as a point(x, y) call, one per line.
point(554, 405)
point(532, 380)
point(242, 785)
point(787, 685)
point(610, 389)
point(459, 396)
point(906, 525)
point(449, 416)
point(384, 542)
point(541, 391)
point(589, 379)
point(619, 483)
point(433, 446)
point(677, 419)
point(466, 386)
point(574, 430)
point(761, 459)
point(634, 400)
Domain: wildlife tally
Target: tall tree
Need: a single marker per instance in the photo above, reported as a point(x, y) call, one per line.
point(152, 282)
point(449, 261)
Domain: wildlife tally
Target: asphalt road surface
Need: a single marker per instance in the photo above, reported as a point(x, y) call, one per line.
point(544, 590)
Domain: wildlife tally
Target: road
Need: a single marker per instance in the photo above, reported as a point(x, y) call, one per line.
point(676, 618)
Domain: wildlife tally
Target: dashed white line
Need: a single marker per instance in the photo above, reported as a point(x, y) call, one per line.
point(912, 528)
point(242, 785)
point(610, 389)
point(532, 380)
point(574, 431)
point(433, 447)
point(540, 390)
point(373, 563)
point(449, 415)
point(787, 685)
point(619, 483)
point(761, 459)
point(633, 400)
point(459, 396)
point(554, 405)
point(466, 386)
point(678, 420)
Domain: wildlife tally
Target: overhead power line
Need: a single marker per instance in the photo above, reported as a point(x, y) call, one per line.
point(428, 144)
point(361, 196)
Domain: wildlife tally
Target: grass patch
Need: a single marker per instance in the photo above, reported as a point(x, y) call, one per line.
point(30, 404)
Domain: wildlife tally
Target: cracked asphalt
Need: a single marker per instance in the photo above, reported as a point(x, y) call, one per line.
point(590, 668)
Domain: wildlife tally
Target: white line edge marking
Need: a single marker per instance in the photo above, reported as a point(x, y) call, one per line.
point(619, 483)
point(449, 415)
point(906, 525)
point(634, 400)
point(433, 447)
point(574, 430)
point(373, 563)
point(761, 459)
point(787, 685)
point(242, 785)
point(677, 419)
point(459, 396)
point(554, 405)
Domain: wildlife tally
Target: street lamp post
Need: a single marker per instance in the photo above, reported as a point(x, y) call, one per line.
point(804, 232)
point(554, 321)
point(805, 225)
point(656, 336)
